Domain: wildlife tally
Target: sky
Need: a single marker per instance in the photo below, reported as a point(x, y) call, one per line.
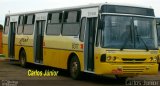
point(14, 6)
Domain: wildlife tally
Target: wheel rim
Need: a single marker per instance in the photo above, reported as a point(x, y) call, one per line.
point(74, 69)
point(22, 61)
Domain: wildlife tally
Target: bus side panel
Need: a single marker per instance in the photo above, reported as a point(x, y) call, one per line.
point(17, 49)
point(58, 58)
point(64, 56)
point(50, 57)
point(29, 53)
point(18, 46)
point(57, 50)
point(5, 50)
point(81, 59)
point(25, 42)
point(28, 47)
point(5, 45)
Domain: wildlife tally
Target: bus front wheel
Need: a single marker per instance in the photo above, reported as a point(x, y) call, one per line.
point(23, 58)
point(74, 68)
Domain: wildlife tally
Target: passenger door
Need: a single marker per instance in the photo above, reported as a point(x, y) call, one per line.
point(89, 21)
point(40, 26)
point(11, 36)
point(89, 41)
point(39, 33)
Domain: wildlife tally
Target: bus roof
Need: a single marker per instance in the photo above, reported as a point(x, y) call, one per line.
point(76, 7)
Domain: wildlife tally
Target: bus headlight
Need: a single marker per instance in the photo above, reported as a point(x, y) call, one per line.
point(105, 58)
point(153, 58)
point(114, 58)
point(109, 58)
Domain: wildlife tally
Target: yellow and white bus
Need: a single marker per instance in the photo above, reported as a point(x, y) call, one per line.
point(103, 39)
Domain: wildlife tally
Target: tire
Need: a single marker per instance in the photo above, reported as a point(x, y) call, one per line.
point(74, 68)
point(23, 61)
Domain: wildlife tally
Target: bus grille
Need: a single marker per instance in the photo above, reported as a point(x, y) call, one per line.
point(133, 60)
point(133, 69)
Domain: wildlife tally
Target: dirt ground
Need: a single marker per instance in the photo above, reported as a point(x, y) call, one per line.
point(12, 74)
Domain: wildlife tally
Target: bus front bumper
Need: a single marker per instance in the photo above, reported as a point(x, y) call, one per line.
point(128, 69)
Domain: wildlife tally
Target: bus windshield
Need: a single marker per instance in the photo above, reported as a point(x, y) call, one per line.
point(128, 32)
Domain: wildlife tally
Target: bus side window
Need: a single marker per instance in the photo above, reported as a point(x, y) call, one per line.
point(29, 24)
point(6, 27)
point(71, 23)
point(54, 24)
point(83, 25)
point(20, 27)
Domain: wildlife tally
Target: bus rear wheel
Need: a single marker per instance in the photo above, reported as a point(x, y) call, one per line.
point(23, 58)
point(74, 68)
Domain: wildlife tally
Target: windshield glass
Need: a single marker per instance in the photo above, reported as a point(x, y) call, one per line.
point(144, 28)
point(128, 32)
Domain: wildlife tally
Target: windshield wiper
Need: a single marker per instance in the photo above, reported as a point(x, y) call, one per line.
point(139, 36)
point(143, 41)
